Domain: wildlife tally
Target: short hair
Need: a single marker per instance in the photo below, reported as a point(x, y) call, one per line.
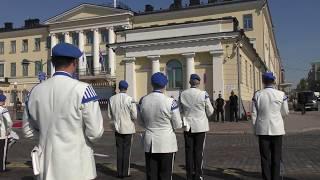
point(194, 82)
point(61, 61)
point(156, 86)
point(268, 81)
point(123, 89)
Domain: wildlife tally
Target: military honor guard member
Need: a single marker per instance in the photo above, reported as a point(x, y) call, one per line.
point(268, 109)
point(122, 111)
point(196, 109)
point(65, 114)
point(160, 116)
point(5, 129)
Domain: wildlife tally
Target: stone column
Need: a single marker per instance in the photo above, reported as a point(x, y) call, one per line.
point(155, 63)
point(67, 37)
point(111, 53)
point(82, 63)
point(189, 67)
point(96, 44)
point(217, 69)
point(130, 75)
point(53, 43)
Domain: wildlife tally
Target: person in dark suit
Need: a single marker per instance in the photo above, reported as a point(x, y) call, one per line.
point(220, 108)
point(233, 104)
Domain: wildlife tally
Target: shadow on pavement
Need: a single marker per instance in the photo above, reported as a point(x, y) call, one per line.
point(235, 174)
point(106, 170)
point(27, 178)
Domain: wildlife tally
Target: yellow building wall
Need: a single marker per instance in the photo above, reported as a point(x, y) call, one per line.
point(24, 83)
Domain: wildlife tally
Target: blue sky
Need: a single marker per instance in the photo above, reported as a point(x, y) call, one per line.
point(296, 25)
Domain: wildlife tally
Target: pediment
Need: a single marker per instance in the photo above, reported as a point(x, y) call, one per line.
point(85, 11)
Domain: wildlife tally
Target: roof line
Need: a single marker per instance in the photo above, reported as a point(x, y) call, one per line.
point(187, 22)
point(80, 5)
point(193, 7)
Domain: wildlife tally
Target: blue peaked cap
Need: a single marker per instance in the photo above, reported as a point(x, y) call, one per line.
point(2, 98)
point(66, 50)
point(195, 77)
point(268, 76)
point(159, 79)
point(123, 84)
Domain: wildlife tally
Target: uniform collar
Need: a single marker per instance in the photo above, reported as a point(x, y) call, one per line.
point(193, 87)
point(157, 91)
point(271, 87)
point(62, 73)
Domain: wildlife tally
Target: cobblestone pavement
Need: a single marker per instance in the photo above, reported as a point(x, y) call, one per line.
point(229, 156)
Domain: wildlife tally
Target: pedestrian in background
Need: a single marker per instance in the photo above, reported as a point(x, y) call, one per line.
point(123, 112)
point(64, 114)
point(233, 105)
point(220, 108)
point(160, 117)
point(5, 129)
point(268, 109)
point(302, 100)
point(196, 109)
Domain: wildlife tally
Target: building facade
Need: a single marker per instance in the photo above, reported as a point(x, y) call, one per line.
point(23, 54)
point(228, 43)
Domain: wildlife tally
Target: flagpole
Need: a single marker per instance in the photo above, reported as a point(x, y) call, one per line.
point(115, 3)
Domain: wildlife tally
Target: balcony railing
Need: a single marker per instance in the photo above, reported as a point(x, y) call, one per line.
point(87, 73)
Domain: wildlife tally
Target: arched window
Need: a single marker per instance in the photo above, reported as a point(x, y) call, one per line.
point(174, 72)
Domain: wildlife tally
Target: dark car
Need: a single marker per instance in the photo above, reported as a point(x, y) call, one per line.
point(307, 98)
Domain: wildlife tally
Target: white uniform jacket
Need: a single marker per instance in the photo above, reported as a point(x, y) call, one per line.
point(122, 110)
point(66, 116)
point(160, 116)
point(196, 108)
point(268, 109)
point(5, 123)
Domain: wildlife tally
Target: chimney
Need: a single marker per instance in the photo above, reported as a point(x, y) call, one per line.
point(177, 4)
point(8, 25)
point(194, 2)
point(148, 8)
point(30, 23)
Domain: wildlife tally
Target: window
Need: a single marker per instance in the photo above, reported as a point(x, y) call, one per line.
point(25, 69)
point(48, 67)
point(48, 45)
point(60, 38)
point(13, 46)
point(75, 39)
point(247, 22)
point(174, 72)
point(25, 45)
point(89, 36)
point(1, 47)
point(104, 36)
point(37, 67)
point(90, 65)
point(1, 70)
point(13, 69)
point(37, 44)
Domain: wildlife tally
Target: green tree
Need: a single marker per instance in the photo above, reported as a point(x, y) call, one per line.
point(303, 85)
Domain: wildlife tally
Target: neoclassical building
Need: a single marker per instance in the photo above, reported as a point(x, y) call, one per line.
point(228, 43)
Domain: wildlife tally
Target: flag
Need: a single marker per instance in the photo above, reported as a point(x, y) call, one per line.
point(101, 58)
point(83, 57)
